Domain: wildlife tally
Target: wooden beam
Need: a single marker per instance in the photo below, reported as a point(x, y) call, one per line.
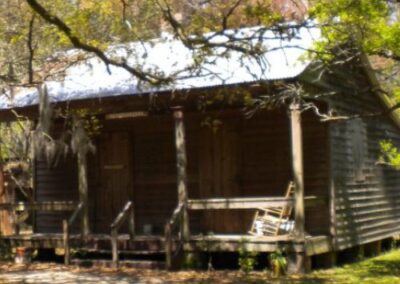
point(181, 164)
point(297, 167)
point(332, 190)
point(6, 226)
point(373, 249)
point(318, 245)
point(243, 238)
point(298, 263)
point(250, 202)
point(238, 203)
point(131, 224)
point(83, 191)
point(126, 213)
point(234, 243)
point(169, 228)
point(14, 221)
point(332, 209)
point(114, 248)
point(40, 206)
point(33, 164)
point(123, 215)
point(66, 234)
point(168, 246)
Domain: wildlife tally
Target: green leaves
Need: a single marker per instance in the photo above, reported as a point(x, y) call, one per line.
point(390, 154)
point(365, 23)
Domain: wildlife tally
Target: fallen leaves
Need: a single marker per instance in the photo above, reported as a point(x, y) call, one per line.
point(381, 269)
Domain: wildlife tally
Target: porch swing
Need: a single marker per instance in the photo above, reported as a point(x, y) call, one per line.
point(274, 221)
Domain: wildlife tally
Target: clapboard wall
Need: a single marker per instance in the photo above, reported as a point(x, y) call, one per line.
point(366, 194)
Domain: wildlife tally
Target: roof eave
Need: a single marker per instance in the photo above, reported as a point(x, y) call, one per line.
point(385, 98)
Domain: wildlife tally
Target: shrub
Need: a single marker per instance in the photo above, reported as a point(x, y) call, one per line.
point(278, 263)
point(5, 250)
point(247, 259)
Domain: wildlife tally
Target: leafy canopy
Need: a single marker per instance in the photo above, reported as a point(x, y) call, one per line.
point(35, 34)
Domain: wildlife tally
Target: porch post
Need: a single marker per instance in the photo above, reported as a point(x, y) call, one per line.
point(83, 191)
point(297, 167)
point(7, 218)
point(181, 162)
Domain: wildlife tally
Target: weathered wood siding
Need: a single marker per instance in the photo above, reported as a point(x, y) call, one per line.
point(316, 173)
point(219, 169)
point(367, 204)
point(228, 156)
point(250, 157)
point(58, 182)
point(266, 161)
point(155, 192)
point(115, 178)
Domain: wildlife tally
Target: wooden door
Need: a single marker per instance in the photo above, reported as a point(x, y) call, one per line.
point(115, 187)
point(155, 174)
point(219, 176)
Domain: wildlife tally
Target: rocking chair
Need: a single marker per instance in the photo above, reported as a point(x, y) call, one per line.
point(275, 220)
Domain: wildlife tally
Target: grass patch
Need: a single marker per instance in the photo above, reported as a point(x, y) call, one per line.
point(383, 269)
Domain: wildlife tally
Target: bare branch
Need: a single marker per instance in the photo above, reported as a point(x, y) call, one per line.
point(77, 43)
point(330, 117)
point(31, 49)
point(230, 12)
point(387, 55)
point(124, 6)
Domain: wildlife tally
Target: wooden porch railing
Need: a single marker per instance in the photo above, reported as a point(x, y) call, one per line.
point(238, 203)
point(40, 206)
point(66, 232)
point(36, 206)
point(173, 223)
point(127, 211)
point(176, 221)
point(249, 202)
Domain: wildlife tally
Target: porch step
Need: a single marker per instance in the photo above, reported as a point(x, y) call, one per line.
point(127, 258)
point(140, 264)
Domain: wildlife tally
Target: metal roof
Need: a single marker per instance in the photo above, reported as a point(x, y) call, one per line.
point(283, 59)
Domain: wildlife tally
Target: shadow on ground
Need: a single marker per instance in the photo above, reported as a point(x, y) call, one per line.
point(384, 269)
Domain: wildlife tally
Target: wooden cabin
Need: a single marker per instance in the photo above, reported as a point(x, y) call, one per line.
point(188, 179)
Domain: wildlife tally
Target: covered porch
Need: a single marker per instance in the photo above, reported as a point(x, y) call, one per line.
point(166, 183)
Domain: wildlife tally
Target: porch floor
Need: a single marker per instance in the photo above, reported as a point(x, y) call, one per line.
point(155, 243)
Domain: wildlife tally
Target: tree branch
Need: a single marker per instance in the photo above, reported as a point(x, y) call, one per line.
point(230, 12)
point(329, 117)
point(31, 49)
point(387, 55)
point(124, 6)
point(77, 43)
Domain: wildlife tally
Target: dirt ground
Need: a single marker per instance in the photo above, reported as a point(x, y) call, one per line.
point(382, 269)
point(60, 274)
